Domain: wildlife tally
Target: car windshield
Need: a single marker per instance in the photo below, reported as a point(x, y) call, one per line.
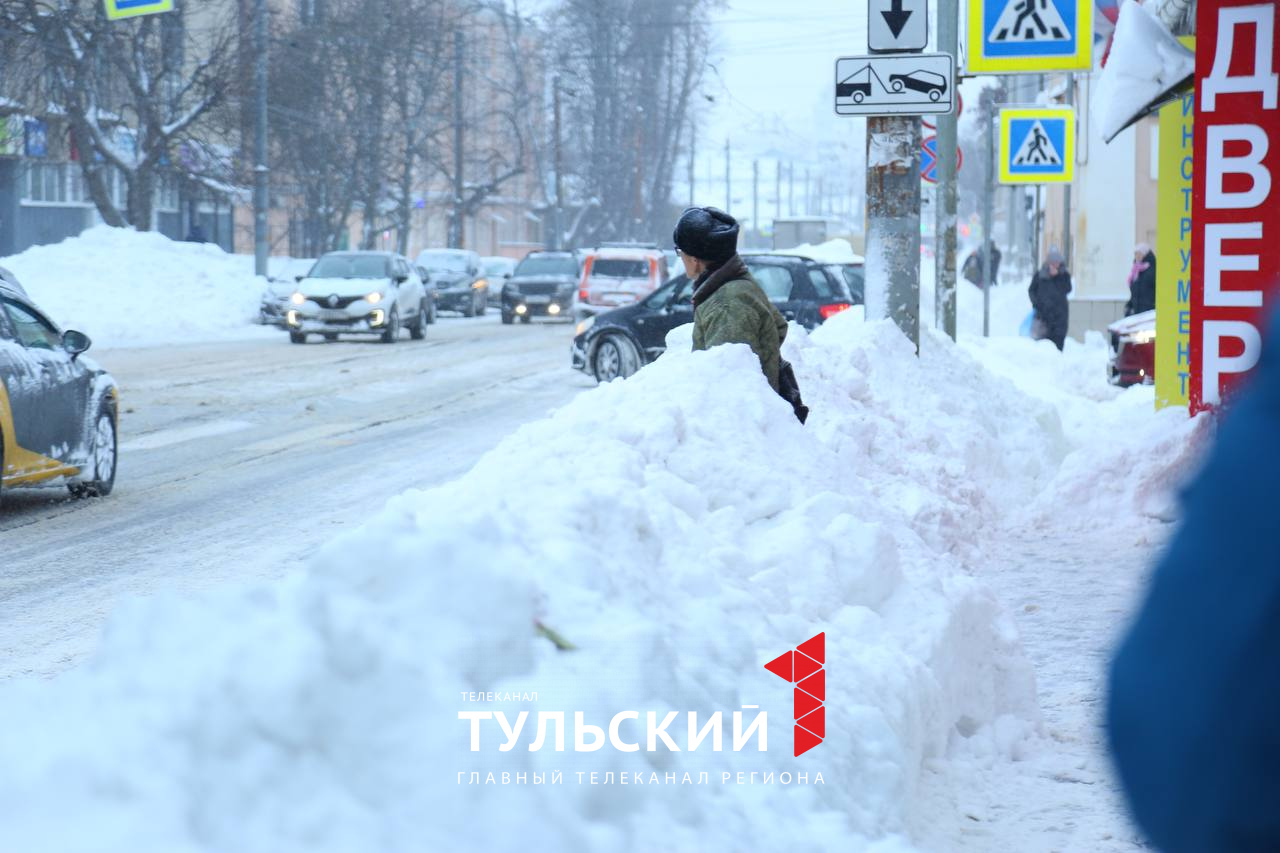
point(350, 266)
point(496, 267)
point(661, 296)
point(443, 261)
point(620, 267)
point(855, 279)
point(547, 266)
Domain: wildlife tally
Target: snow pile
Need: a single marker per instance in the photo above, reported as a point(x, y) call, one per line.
point(1123, 460)
point(680, 529)
point(1147, 64)
point(129, 288)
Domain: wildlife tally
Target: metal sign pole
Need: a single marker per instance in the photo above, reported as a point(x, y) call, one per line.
point(945, 211)
point(988, 117)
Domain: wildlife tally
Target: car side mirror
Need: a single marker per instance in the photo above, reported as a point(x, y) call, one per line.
point(400, 279)
point(426, 277)
point(75, 342)
point(299, 277)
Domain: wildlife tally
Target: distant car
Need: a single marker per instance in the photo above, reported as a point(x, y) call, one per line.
point(459, 279)
point(542, 285)
point(274, 305)
point(616, 276)
point(59, 411)
point(496, 271)
point(618, 343)
point(933, 85)
point(1133, 350)
point(854, 277)
point(359, 293)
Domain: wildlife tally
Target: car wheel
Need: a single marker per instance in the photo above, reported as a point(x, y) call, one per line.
point(431, 318)
point(392, 334)
point(935, 95)
point(297, 337)
point(857, 97)
point(615, 358)
point(330, 337)
point(896, 85)
point(418, 330)
point(104, 458)
point(508, 318)
point(484, 306)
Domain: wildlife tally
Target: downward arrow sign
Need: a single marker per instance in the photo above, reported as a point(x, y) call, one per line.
point(896, 18)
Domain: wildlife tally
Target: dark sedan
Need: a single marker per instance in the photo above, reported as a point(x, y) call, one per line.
point(58, 410)
point(542, 285)
point(618, 343)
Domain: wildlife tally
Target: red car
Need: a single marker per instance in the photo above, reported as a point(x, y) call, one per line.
point(1133, 350)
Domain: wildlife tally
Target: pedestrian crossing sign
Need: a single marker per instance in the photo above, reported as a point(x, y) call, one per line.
point(1012, 36)
point(117, 9)
point(1037, 145)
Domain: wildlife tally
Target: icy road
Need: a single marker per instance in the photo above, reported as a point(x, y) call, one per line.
point(237, 460)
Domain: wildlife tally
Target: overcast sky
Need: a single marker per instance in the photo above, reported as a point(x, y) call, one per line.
point(773, 80)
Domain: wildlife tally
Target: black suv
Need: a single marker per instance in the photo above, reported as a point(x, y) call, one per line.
point(619, 342)
point(542, 284)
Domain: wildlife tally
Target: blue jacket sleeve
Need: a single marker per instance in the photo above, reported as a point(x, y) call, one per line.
point(1194, 706)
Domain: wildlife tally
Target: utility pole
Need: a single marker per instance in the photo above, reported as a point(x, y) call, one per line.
point(791, 188)
point(557, 238)
point(260, 172)
point(755, 197)
point(777, 189)
point(455, 223)
point(728, 192)
point(808, 194)
point(893, 222)
point(988, 192)
point(693, 162)
point(1066, 188)
point(945, 209)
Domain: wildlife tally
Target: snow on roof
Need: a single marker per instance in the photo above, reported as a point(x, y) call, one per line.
point(834, 251)
point(1146, 68)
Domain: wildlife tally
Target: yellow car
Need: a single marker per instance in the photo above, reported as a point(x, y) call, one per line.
point(58, 409)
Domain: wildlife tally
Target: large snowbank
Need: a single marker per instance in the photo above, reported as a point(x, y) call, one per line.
point(681, 529)
point(129, 288)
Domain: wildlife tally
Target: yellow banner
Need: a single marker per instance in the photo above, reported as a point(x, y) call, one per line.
point(1173, 250)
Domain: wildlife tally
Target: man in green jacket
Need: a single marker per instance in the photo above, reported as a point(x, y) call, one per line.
point(729, 306)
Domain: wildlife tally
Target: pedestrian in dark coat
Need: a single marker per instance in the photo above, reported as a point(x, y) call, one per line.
point(1193, 711)
point(729, 306)
point(1048, 292)
point(1142, 281)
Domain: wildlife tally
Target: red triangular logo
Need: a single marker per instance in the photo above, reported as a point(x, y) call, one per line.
point(816, 685)
point(815, 647)
point(781, 666)
point(805, 741)
point(804, 703)
point(805, 667)
point(815, 722)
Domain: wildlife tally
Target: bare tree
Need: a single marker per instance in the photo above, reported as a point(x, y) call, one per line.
point(132, 90)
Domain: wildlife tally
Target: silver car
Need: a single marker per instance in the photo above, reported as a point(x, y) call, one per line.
point(359, 293)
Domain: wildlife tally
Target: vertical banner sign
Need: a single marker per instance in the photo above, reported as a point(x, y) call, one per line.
point(1173, 251)
point(1235, 252)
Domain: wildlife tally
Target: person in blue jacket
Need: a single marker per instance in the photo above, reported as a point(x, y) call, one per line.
point(1194, 706)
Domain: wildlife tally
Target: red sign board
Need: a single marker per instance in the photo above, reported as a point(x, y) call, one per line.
point(1235, 250)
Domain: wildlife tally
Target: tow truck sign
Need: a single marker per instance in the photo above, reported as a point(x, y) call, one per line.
point(910, 84)
point(1235, 248)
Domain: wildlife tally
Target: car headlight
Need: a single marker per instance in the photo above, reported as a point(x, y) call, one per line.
point(1145, 336)
point(479, 283)
point(373, 298)
point(584, 326)
point(297, 298)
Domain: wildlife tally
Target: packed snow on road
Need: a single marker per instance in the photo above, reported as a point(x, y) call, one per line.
point(647, 546)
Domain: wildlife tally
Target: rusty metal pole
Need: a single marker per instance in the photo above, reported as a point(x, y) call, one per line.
point(893, 222)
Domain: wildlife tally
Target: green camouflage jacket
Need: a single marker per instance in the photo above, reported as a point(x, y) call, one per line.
point(730, 308)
